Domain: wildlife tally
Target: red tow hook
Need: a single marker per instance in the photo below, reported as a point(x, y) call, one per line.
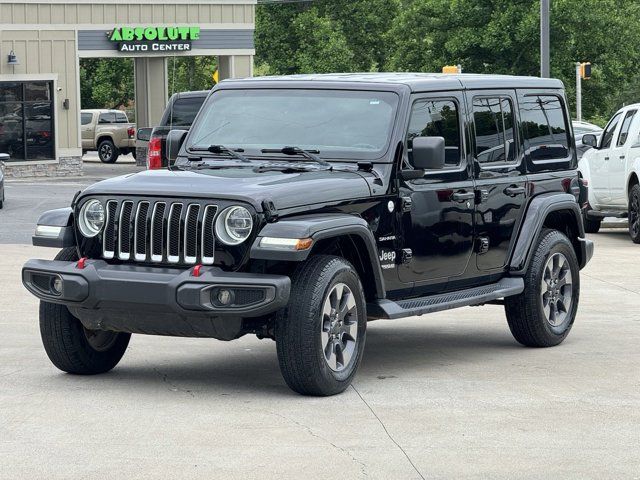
point(81, 263)
point(196, 272)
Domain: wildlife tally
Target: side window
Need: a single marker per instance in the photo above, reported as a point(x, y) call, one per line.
point(607, 136)
point(624, 130)
point(494, 128)
point(545, 127)
point(121, 118)
point(107, 118)
point(437, 118)
point(184, 110)
point(85, 118)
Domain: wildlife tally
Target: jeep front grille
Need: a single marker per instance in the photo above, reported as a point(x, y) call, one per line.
point(159, 232)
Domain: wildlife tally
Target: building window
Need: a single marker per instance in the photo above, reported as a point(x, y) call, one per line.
point(26, 120)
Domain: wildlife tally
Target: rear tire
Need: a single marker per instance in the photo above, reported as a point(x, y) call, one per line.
point(108, 152)
point(634, 214)
point(73, 348)
point(320, 335)
point(543, 314)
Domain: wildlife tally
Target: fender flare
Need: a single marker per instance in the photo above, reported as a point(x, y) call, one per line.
point(537, 212)
point(64, 220)
point(634, 169)
point(319, 227)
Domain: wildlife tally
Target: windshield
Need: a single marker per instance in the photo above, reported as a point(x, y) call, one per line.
point(337, 123)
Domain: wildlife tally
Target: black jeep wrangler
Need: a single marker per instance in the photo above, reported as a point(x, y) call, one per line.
point(299, 208)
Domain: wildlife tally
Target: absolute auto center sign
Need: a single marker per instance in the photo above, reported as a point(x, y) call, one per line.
point(154, 39)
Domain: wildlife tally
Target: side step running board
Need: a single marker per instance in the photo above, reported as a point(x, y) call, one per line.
point(597, 214)
point(445, 301)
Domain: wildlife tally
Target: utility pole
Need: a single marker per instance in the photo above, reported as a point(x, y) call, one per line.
point(545, 70)
point(579, 91)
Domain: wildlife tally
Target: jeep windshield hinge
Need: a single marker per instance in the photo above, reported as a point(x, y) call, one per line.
point(270, 211)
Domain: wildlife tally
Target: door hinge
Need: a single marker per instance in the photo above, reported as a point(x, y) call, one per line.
point(482, 195)
point(407, 204)
point(406, 256)
point(482, 245)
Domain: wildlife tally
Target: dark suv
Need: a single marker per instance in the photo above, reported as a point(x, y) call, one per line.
point(299, 208)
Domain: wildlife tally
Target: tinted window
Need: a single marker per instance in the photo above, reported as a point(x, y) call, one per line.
point(493, 119)
point(121, 118)
point(37, 91)
point(544, 127)
point(607, 136)
point(184, 111)
point(85, 118)
point(10, 92)
point(436, 118)
point(342, 124)
point(624, 130)
point(107, 118)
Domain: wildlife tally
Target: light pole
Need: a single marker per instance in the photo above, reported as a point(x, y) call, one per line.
point(579, 91)
point(544, 39)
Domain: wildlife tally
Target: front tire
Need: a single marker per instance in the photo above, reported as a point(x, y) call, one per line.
point(320, 335)
point(543, 314)
point(634, 214)
point(108, 152)
point(73, 348)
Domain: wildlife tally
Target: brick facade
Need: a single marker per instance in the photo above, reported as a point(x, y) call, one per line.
point(66, 167)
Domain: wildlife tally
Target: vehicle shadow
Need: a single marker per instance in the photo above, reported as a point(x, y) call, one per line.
point(389, 351)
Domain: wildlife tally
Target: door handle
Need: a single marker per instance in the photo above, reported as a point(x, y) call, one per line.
point(606, 159)
point(621, 157)
point(463, 196)
point(513, 190)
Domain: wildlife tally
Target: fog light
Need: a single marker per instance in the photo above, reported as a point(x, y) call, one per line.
point(56, 285)
point(225, 297)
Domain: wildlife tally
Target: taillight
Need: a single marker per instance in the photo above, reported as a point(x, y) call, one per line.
point(154, 155)
point(131, 131)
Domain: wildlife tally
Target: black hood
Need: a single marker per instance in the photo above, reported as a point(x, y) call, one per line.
point(286, 190)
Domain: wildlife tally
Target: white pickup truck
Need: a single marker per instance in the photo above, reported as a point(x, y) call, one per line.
point(612, 169)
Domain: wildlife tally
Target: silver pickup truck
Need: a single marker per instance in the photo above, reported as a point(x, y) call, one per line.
point(109, 133)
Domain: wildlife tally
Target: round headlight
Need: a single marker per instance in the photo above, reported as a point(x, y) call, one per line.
point(91, 218)
point(234, 225)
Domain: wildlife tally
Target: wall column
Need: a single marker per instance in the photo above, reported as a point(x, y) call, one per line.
point(151, 90)
point(235, 66)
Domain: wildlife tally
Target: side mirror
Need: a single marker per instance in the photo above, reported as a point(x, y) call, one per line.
point(590, 140)
point(144, 134)
point(175, 139)
point(428, 153)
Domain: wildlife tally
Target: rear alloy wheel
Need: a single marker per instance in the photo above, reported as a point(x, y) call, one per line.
point(543, 314)
point(108, 152)
point(634, 214)
point(320, 335)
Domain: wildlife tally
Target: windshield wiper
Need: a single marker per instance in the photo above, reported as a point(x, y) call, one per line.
point(309, 154)
point(220, 150)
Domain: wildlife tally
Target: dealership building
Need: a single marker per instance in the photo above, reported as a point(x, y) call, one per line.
point(42, 42)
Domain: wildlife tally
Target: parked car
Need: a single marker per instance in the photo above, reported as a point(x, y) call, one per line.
point(109, 133)
point(612, 170)
point(3, 158)
point(179, 114)
point(301, 207)
point(579, 130)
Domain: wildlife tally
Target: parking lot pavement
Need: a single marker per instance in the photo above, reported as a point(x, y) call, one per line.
point(450, 395)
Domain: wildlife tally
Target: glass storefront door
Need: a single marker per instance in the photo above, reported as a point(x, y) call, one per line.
point(26, 120)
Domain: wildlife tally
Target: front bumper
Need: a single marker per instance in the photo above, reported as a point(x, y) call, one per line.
point(165, 301)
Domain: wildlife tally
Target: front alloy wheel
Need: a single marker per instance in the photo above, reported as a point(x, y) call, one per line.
point(556, 288)
point(339, 327)
point(320, 335)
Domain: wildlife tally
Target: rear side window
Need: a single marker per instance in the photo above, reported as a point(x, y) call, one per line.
point(107, 118)
point(184, 111)
point(607, 136)
point(85, 118)
point(121, 118)
point(624, 130)
point(544, 127)
point(437, 118)
point(494, 130)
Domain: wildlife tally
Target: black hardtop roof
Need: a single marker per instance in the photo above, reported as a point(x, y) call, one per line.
point(195, 93)
point(417, 82)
